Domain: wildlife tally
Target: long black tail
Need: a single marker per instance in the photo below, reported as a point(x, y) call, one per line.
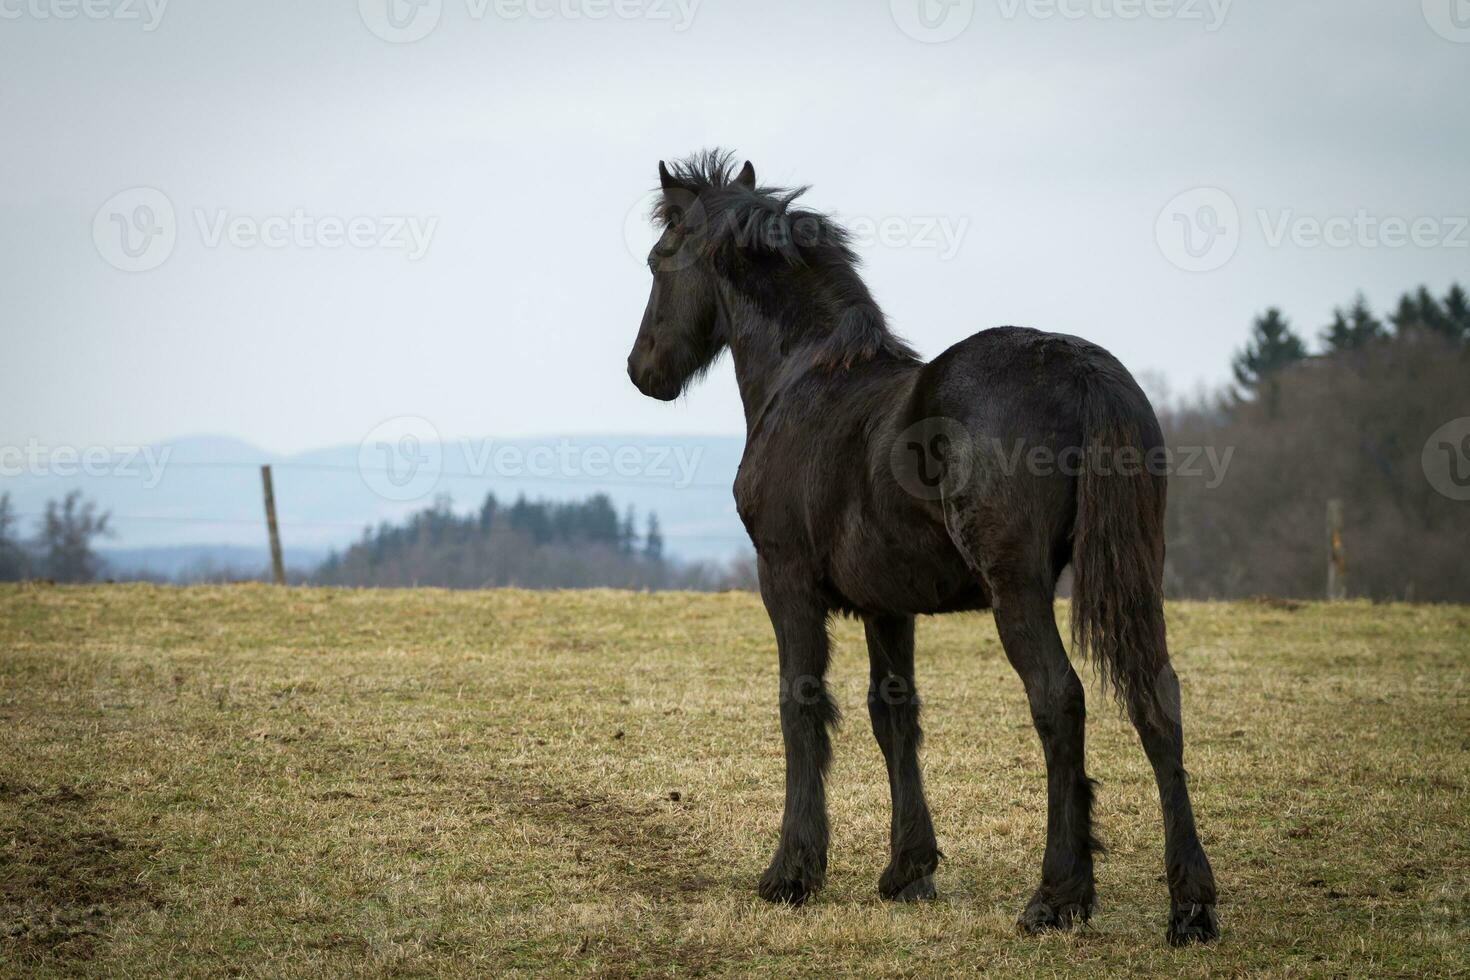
point(1118, 544)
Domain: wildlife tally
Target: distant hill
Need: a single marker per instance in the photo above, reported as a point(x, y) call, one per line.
point(203, 492)
point(202, 562)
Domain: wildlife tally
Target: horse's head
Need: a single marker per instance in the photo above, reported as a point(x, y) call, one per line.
point(683, 328)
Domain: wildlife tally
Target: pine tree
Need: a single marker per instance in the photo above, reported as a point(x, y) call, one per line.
point(653, 545)
point(1366, 327)
point(1432, 316)
point(1338, 335)
point(1457, 312)
point(628, 533)
point(1273, 346)
point(1354, 328)
point(1406, 317)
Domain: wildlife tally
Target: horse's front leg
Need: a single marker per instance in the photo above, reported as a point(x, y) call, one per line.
point(893, 706)
point(807, 711)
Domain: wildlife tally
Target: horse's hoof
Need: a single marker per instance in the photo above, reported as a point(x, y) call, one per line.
point(787, 885)
point(1043, 916)
point(1193, 923)
point(909, 877)
point(921, 889)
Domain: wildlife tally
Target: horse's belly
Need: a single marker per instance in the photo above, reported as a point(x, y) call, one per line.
point(920, 574)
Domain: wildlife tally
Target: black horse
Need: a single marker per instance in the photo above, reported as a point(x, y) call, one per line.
point(876, 485)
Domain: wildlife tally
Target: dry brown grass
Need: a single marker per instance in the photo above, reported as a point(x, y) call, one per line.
point(257, 781)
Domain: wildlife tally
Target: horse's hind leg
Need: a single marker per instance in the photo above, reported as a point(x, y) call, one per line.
point(1028, 631)
point(1191, 880)
point(893, 706)
point(1022, 584)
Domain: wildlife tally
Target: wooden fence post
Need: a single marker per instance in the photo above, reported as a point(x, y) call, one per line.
point(278, 566)
point(1336, 555)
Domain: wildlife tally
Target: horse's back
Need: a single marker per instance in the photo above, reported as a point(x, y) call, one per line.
point(1020, 383)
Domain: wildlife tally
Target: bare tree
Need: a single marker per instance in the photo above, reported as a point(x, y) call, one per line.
point(14, 563)
point(64, 541)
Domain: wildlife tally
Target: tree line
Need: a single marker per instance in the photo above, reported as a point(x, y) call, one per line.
point(1347, 422)
point(1350, 422)
point(532, 544)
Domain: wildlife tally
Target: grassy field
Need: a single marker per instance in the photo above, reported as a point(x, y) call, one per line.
point(257, 781)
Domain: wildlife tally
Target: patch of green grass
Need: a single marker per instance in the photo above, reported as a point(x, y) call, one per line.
point(256, 781)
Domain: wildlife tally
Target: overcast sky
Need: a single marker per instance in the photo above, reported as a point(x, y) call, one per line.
point(1027, 169)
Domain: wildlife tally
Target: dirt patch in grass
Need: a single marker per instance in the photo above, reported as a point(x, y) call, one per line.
point(633, 851)
point(65, 875)
point(649, 859)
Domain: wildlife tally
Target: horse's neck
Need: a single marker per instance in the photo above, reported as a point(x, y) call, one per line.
point(762, 368)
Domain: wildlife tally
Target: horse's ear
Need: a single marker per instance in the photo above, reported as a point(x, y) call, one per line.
point(746, 177)
point(666, 179)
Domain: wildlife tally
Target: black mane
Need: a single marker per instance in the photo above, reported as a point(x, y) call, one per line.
point(763, 245)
